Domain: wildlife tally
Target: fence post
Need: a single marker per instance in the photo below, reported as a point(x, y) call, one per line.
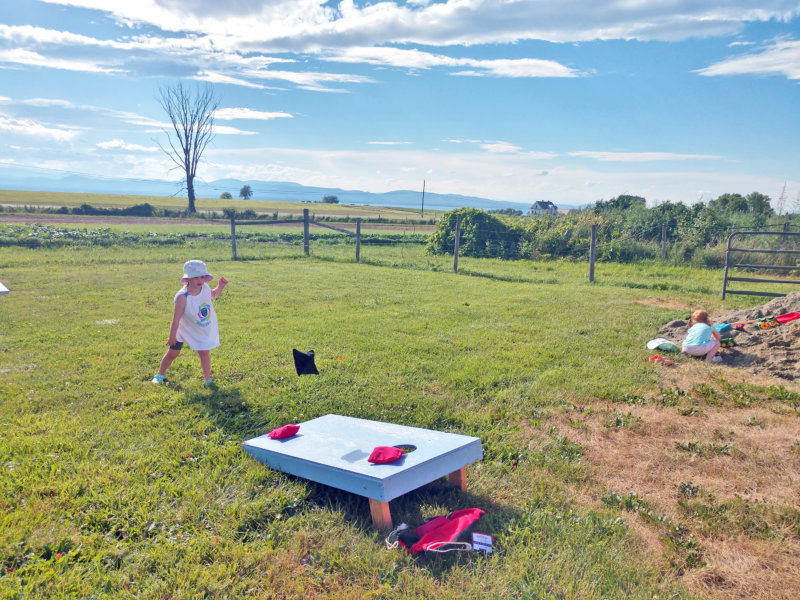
point(358, 239)
point(455, 244)
point(663, 241)
point(305, 231)
point(784, 237)
point(233, 235)
point(592, 247)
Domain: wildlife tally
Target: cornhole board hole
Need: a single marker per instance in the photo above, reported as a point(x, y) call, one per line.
point(3, 289)
point(333, 450)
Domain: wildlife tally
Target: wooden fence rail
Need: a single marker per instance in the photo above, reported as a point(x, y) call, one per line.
point(306, 221)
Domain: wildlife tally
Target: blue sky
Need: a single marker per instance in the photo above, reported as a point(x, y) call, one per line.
point(516, 100)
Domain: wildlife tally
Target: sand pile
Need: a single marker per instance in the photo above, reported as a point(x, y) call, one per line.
point(774, 351)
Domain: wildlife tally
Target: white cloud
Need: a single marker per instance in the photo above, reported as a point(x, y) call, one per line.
point(781, 58)
point(49, 103)
point(26, 57)
point(310, 80)
point(309, 24)
point(214, 77)
point(201, 57)
point(32, 128)
point(226, 42)
point(523, 67)
point(417, 59)
point(82, 112)
point(393, 57)
point(230, 114)
point(19, 35)
point(500, 147)
point(225, 130)
point(149, 124)
point(640, 156)
point(117, 144)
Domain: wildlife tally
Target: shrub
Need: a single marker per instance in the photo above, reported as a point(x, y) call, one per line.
point(482, 235)
point(139, 210)
point(626, 250)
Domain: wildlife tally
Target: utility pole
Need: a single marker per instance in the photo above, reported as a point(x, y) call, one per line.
point(423, 199)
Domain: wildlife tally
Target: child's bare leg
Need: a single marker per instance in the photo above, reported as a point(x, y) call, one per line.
point(167, 361)
point(714, 349)
point(205, 363)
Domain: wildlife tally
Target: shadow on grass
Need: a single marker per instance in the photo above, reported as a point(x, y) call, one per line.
point(512, 279)
point(413, 508)
point(228, 410)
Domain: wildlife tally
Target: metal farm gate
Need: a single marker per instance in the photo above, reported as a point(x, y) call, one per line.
point(754, 265)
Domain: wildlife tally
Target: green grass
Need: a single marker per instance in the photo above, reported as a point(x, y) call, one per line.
point(111, 487)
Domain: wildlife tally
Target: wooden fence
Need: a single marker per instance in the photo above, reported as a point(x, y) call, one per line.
point(307, 221)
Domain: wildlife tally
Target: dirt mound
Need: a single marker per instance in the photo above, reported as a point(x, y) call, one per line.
point(774, 351)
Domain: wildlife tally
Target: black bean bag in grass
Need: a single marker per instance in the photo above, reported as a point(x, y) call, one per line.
point(304, 362)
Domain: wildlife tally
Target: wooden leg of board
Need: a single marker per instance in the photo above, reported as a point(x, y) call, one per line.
point(459, 479)
point(381, 517)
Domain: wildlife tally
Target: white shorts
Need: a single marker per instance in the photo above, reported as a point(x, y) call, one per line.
point(700, 350)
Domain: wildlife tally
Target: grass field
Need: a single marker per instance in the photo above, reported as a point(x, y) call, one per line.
point(59, 199)
point(605, 476)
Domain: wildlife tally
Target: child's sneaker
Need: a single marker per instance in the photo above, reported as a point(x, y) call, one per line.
point(210, 384)
point(716, 359)
point(159, 378)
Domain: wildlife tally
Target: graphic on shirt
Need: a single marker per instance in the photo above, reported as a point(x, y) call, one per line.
point(204, 314)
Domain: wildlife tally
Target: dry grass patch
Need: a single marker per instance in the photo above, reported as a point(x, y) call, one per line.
point(689, 371)
point(719, 461)
point(741, 567)
point(671, 304)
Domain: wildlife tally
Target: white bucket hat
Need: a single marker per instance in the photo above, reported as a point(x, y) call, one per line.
point(662, 344)
point(195, 268)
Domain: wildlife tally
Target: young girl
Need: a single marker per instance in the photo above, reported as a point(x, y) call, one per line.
point(194, 321)
point(702, 339)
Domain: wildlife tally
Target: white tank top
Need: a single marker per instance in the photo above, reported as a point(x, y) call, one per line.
point(198, 325)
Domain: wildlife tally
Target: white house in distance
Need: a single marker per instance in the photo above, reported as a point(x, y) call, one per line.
point(543, 207)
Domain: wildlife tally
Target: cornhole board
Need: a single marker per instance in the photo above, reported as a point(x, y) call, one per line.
point(333, 450)
point(3, 289)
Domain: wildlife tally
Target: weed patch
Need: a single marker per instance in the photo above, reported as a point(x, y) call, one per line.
point(687, 552)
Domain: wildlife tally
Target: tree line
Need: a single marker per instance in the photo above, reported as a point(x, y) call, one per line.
point(627, 230)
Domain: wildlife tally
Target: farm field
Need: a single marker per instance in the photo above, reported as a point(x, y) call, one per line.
point(604, 476)
point(283, 208)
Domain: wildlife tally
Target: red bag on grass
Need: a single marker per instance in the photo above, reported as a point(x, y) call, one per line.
point(442, 533)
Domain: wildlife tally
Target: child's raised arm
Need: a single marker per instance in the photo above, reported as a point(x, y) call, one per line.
point(218, 290)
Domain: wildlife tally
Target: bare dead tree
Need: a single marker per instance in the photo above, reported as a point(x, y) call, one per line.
point(191, 112)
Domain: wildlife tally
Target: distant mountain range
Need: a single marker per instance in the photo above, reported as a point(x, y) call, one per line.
point(262, 190)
